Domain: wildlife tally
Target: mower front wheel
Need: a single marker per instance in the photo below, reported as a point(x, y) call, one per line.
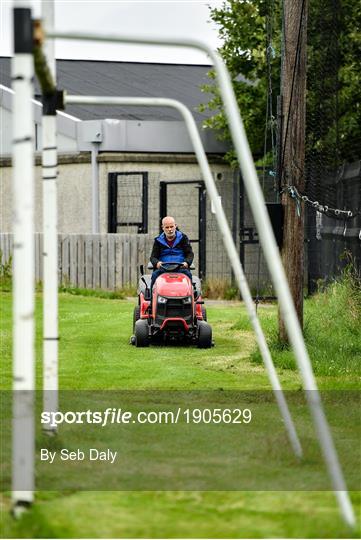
point(204, 335)
point(141, 333)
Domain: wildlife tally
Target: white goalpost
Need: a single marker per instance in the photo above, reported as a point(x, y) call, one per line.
point(23, 433)
point(23, 227)
point(269, 246)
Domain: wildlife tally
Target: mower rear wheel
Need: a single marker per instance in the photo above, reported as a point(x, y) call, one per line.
point(204, 335)
point(141, 333)
point(136, 316)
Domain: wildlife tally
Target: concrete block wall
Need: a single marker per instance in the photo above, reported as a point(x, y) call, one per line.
point(74, 203)
point(74, 195)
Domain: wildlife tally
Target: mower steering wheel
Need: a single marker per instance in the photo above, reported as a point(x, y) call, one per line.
point(171, 266)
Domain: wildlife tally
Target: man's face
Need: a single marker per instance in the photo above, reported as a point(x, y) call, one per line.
point(169, 228)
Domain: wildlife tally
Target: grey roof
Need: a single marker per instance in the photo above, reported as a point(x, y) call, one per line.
point(88, 77)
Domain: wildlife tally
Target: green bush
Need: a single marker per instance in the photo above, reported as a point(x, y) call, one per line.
point(331, 329)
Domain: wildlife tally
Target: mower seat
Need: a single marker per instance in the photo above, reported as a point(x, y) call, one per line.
point(141, 284)
point(196, 282)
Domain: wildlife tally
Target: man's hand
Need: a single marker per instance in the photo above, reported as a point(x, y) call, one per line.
point(185, 265)
point(159, 264)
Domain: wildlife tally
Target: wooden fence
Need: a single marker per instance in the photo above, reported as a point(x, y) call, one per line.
point(106, 261)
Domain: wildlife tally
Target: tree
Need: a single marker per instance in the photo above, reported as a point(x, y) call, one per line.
point(334, 81)
point(244, 26)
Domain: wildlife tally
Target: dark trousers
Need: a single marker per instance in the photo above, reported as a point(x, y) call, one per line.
point(160, 271)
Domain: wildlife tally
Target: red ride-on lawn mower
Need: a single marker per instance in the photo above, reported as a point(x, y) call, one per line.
point(175, 313)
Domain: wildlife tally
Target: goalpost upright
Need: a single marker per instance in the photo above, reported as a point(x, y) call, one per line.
point(24, 379)
point(23, 432)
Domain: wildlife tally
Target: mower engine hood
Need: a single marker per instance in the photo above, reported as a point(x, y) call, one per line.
point(173, 284)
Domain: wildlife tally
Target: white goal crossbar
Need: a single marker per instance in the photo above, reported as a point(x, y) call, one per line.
point(268, 243)
point(22, 88)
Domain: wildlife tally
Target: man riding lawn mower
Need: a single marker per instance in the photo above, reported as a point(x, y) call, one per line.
point(170, 305)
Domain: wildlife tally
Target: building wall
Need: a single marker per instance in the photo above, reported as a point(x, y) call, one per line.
point(73, 196)
point(74, 201)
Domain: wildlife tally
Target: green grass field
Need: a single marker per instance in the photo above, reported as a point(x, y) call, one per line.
point(94, 354)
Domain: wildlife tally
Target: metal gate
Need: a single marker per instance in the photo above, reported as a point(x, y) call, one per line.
point(185, 200)
point(251, 254)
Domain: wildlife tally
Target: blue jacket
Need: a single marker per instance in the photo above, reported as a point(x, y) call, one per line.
point(180, 252)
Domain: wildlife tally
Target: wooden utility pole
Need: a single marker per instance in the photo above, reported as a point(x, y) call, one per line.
point(292, 162)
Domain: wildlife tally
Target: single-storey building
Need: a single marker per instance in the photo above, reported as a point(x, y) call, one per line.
point(141, 156)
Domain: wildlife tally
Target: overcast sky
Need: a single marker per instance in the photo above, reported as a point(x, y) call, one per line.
point(186, 18)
